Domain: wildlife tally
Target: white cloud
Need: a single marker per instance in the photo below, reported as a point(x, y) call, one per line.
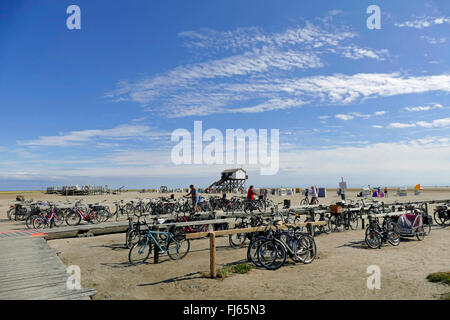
point(377, 126)
point(121, 132)
point(213, 98)
point(353, 115)
point(432, 40)
point(424, 108)
point(344, 117)
point(405, 162)
point(424, 22)
point(401, 125)
point(445, 122)
point(260, 67)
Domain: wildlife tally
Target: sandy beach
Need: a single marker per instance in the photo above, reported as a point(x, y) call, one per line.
point(339, 271)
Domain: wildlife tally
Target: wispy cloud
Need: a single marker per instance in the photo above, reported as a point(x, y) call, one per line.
point(353, 115)
point(279, 93)
point(256, 77)
point(445, 122)
point(424, 22)
point(122, 132)
point(424, 108)
point(433, 40)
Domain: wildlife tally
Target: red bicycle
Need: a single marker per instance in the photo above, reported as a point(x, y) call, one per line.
point(77, 214)
point(190, 229)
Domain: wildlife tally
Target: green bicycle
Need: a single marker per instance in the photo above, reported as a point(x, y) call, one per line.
point(175, 245)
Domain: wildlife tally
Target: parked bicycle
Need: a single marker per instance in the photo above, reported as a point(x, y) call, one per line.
point(272, 250)
point(77, 214)
point(377, 234)
point(175, 245)
point(442, 215)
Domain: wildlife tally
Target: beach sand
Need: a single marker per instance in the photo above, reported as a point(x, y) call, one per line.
point(339, 271)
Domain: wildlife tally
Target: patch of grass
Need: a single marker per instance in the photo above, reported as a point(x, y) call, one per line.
point(241, 268)
point(442, 277)
point(446, 296)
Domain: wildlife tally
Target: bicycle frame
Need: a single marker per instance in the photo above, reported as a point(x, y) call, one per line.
point(150, 236)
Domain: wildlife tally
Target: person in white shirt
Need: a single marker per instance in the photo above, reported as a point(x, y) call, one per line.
point(313, 195)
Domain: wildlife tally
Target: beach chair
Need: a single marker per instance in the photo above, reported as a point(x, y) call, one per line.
point(417, 190)
point(402, 192)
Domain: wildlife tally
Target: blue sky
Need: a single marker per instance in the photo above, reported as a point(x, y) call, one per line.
point(98, 105)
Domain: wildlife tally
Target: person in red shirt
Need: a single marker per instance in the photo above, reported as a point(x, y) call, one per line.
point(250, 194)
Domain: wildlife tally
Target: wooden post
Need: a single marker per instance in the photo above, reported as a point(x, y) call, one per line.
point(212, 254)
point(156, 255)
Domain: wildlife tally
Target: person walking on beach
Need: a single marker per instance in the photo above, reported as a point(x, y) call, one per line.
point(385, 192)
point(193, 195)
point(313, 195)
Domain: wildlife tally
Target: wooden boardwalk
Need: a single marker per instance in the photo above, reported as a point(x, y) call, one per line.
point(31, 270)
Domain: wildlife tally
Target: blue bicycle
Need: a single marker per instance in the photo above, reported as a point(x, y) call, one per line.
point(175, 245)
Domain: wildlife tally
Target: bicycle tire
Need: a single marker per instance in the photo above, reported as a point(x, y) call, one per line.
point(9, 213)
point(133, 236)
point(29, 221)
point(74, 219)
point(58, 220)
point(305, 249)
point(427, 228)
point(353, 221)
point(420, 234)
point(39, 223)
point(237, 240)
point(271, 254)
point(393, 238)
point(140, 252)
point(252, 251)
point(373, 239)
point(178, 247)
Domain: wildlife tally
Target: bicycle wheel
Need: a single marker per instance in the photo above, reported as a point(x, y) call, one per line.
point(58, 219)
point(252, 251)
point(73, 219)
point(420, 233)
point(353, 221)
point(303, 202)
point(178, 247)
point(133, 236)
point(271, 254)
point(373, 239)
point(427, 228)
point(39, 223)
point(237, 240)
point(140, 252)
point(30, 219)
point(10, 213)
point(305, 249)
point(325, 228)
point(393, 238)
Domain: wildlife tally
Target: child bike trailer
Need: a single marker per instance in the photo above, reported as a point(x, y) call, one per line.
point(410, 225)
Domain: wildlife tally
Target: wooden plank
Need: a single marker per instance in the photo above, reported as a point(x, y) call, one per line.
point(30, 269)
point(250, 230)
